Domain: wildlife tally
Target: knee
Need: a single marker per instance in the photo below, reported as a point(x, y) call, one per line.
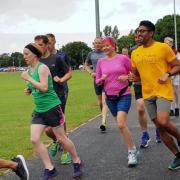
point(121, 126)
point(35, 140)
point(140, 108)
point(162, 123)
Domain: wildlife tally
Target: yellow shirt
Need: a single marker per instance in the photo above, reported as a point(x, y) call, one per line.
point(152, 63)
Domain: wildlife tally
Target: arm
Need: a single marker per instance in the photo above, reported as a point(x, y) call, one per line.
point(43, 76)
point(100, 78)
point(172, 62)
point(175, 69)
point(128, 66)
point(87, 66)
point(64, 69)
point(134, 75)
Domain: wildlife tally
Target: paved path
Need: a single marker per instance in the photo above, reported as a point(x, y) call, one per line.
point(105, 155)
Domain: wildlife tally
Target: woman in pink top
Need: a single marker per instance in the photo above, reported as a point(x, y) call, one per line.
point(112, 72)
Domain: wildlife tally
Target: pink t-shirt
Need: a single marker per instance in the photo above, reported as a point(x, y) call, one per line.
point(113, 68)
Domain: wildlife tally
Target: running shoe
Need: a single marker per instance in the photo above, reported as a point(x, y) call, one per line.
point(158, 138)
point(175, 164)
point(103, 127)
point(21, 169)
point(145, 139)
point(133, 158)
point(65, 158)
point(49, 174)
point(77, 170)
point(171, 113)
point(53, 148)
point(176, 112)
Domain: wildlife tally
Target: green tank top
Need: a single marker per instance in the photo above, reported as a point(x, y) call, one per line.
point(43, 101)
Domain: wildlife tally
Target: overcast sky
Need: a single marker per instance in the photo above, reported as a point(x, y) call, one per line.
point(72, 20)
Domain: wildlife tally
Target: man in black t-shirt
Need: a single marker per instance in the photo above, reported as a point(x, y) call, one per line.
point(60, 74)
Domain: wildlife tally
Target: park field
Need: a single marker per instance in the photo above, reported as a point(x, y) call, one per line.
point(16, 109)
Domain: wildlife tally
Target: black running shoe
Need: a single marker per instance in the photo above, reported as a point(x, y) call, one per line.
point(21, 169)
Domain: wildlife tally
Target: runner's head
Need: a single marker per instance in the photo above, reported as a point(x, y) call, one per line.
point(42, 41)
point(169, 41)
point(146, 31)
point(52, 42)
point(109, 45)
point(32, 52)
point(98, 45)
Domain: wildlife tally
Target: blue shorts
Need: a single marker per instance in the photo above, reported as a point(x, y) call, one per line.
point(122, 104)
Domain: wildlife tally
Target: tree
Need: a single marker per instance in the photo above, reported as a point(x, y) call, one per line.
point(17, 59)
point(77, 51)
point(165, 27)
point(126, 41)
point(108, 31)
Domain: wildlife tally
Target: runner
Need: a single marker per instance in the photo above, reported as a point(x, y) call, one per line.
point(174, 111)
point(145, 139)
point(112, 72)
point(60, 74)
point(54, 147)
point(92, 59)
point(47, 110)
point(154, 63)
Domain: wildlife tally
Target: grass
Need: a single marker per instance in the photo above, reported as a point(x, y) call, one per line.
point(16, 109)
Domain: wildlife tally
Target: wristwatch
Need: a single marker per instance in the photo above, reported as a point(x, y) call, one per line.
point(169, 74)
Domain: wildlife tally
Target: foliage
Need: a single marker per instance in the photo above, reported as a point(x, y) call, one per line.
point(126, 41)
point(108, 31)
point(165, 27)
point(77, 51)
point(15, 59)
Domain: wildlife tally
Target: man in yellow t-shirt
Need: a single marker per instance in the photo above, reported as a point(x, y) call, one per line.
point(153, 63)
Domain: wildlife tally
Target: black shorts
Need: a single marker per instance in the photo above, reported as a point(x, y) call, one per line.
point(98, 88)
point(63, 99)
point(138, 91)
point(50, 118)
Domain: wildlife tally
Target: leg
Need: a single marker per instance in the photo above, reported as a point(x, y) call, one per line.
point(49, 132)
point(104, 108)
point(66, 143)
point(176, 99)
point(164, 122)
point(36, 132)
point(122, 125)
point(141, 114)
point(145, 139)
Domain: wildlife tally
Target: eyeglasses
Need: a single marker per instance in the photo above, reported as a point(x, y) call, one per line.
point(142, 30)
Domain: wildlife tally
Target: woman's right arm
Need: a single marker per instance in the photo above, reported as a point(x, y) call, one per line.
point(43, 72)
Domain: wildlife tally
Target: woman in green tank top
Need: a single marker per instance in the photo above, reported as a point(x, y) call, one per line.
point(47, 111)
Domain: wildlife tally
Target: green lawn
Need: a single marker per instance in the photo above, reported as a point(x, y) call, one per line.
point(16, 108)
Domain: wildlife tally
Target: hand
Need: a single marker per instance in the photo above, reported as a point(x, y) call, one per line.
point(123, 78)
point(104, 77)
point(57, 79)
point(25, 76)
point(93, 74)
point(27, 91)
point(131, 77)
point(163, 79)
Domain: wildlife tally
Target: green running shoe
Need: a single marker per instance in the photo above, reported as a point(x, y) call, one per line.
point(65, 158)
point(53, 149)
point(175, 164)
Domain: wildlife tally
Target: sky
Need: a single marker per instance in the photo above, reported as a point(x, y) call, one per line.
point(73, 20)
